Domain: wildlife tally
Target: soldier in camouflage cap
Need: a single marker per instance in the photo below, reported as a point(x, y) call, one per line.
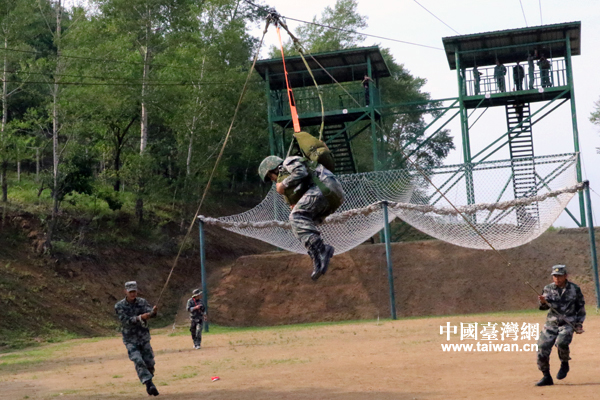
point(567, 313)
point(134, 313)
point(195, 307)
point(310, 206)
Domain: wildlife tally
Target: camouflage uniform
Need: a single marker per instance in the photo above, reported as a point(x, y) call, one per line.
point(518, 76)
point(196, 319)
point(499, 72)
point(477, 79)
point(570, 306)
point(313, 207)
point(531, 70)
point(136, 336)
point(545, 66)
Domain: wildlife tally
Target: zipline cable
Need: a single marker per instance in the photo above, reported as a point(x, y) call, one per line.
point(107, 60)
point(267, 10)
point(523, 11)
point(277, 18)
point(125, 84)
point(361, 33)
point(436, 17)
point(289, 91)
point(133, 80)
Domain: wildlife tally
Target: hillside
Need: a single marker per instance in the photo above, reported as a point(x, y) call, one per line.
point(431, 278)
point(47, 297)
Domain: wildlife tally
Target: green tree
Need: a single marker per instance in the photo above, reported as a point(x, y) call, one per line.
point(18, 25)
point(595, 118)
point(404, 132)
point(595, 115)
point(148, 27)
point(317, 37)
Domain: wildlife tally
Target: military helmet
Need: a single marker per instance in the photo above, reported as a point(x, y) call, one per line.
point(268, 164)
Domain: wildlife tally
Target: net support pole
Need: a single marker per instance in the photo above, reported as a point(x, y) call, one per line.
point(388, 257)
point(592, 240)
point(203, 271)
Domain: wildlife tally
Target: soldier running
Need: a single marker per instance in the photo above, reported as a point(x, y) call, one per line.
point(310, 206)
point(195, 307)
point(565, 317)
point(134, 313)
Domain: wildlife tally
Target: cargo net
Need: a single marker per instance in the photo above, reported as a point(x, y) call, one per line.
point(508, 202)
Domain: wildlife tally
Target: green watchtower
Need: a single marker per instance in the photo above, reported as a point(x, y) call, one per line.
point(512, 69)
point(351, 104)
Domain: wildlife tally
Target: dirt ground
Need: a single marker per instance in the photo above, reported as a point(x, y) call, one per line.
point(367, 360)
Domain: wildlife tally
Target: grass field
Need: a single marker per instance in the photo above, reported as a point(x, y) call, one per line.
point(357, 360)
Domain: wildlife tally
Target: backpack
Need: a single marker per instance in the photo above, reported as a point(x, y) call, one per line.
point(315, 150)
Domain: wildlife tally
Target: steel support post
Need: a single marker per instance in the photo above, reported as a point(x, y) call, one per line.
point(270, 113)
point(203, 271)
point(575, 129)
point(374, 136)
point(464, 127)
point(592, 240)
point(388, 258)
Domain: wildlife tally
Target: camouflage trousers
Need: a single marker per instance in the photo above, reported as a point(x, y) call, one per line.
point(501, 83)
point(551, 335)
point(311, 210)
point(531, 78)
point(196, 329)
point(143, 358)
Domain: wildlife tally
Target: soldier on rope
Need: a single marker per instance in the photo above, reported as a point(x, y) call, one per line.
point(195, 307)
point(313, 194)
point(567, 313)
point(134, 313)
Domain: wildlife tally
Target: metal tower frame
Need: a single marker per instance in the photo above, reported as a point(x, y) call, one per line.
point(348, 112)
point(482, 85)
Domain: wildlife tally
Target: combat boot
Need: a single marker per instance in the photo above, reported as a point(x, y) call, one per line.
point(325, 255)
point(564, 370)
point(546, 380)
point(316, 263)
point(314, 246)
point(151, 389)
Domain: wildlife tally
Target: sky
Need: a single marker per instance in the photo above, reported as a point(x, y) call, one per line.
point(406, 20)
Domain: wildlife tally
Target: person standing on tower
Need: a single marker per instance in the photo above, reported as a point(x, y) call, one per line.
point(499, 73)
point(531, 70)
point(518, 76)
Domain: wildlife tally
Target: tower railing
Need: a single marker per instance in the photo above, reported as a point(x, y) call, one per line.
point(334, 98)
point(555, 76)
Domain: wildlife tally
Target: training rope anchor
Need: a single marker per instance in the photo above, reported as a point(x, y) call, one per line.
point(300, 50)
point(290, 93)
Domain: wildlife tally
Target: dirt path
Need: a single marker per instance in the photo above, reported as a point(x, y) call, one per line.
point(390, 360)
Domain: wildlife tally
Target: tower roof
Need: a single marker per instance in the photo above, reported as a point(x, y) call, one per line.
point(344, 65)
point(512, 45)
